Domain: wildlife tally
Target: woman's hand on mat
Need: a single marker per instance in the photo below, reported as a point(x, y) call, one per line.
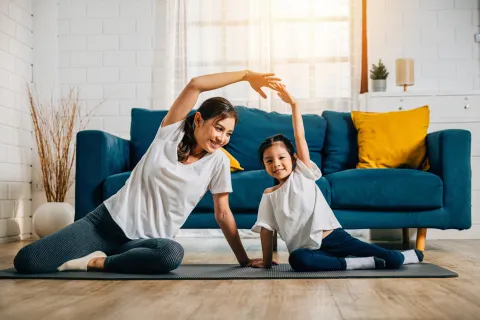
point(284, 94)
point(250, 262)
point(259, 80)
point(259, 264)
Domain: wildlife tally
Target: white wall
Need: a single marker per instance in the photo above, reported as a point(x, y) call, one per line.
point(437, 34)
point(15, 127)
point(45, 74)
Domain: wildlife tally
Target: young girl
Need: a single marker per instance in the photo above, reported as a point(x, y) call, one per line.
point(132, 231)
point(297, 210)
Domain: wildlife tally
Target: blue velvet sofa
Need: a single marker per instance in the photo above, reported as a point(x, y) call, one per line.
point(361, 198)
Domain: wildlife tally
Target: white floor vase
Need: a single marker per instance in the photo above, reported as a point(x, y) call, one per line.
point(51, 217)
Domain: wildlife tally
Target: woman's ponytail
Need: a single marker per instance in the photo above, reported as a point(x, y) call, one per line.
point(188, 141)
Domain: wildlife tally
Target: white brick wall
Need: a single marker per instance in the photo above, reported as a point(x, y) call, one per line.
point(16, 58)
point(437, 34)
point(106, 49)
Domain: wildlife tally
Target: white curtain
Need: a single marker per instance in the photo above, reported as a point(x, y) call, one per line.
point(313, 45)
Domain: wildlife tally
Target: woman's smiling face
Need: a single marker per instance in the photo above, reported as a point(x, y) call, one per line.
point(213, 133)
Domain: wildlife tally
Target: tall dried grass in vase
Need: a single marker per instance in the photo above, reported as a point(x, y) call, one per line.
point(55, 124)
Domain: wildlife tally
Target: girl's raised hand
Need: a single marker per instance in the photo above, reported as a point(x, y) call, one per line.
point(284, 94)
point(259, 80)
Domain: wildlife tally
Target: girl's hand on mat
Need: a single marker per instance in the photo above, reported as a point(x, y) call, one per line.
point(259, 80)
point(284, 94)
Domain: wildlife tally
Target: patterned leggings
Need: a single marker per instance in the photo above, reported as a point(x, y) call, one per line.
point(97, 231)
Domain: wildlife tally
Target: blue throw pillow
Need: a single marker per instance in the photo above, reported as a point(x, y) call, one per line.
point(340, 151)
point(255, 125)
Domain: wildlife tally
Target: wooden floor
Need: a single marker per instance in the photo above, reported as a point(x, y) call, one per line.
point(454, 298)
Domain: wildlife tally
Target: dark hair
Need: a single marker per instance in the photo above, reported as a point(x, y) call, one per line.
point(267, 143)
point(217, 107)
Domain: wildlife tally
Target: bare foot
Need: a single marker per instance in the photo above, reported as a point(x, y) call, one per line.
point(96, 264)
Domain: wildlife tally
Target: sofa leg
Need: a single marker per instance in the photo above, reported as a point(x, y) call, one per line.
point(421, 238)
point(275, 241)
point(406, 237)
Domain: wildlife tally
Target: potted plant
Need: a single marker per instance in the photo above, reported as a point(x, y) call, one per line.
point(379, 75)
point(55, 123)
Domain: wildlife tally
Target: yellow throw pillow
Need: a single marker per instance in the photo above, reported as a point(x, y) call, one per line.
point(392, 139)
point(234, 164)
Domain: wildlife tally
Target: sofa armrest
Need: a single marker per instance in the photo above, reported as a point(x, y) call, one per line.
point(449, 153)
point(99, 155)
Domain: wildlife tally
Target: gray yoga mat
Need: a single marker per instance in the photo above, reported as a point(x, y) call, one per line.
point(230, 271)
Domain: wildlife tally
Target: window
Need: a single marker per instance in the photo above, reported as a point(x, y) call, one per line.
point(306, 42)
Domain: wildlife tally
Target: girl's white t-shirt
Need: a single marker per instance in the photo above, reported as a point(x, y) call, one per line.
point(297, 210)
point(161, 192)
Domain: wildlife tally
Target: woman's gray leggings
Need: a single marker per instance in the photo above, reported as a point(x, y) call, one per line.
point(97, 231)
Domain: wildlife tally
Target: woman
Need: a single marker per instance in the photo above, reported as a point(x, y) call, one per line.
point(132, 231)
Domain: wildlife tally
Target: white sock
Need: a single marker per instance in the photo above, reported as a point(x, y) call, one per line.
point(410, 257)
point(81, 263)
point(360, 263)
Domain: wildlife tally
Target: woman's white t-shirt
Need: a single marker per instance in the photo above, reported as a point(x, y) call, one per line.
point(161, 192)
point(297, 210)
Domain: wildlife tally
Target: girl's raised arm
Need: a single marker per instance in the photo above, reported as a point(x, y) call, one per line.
point(298, 129)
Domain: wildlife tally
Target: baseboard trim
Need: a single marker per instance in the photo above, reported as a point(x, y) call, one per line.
point(376, 235)
point(432, 234)
point(15, 238)
point(246, 233)
point(436, 234)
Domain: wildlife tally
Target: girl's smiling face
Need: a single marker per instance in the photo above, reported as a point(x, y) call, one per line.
point(277, 161)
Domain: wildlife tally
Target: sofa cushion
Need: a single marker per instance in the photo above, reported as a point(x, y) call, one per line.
point(248, 187)
point(143, 128)
point(324, 186)
point(386, 189)
point(340, 151)
point(255, 125)
point(114, 183)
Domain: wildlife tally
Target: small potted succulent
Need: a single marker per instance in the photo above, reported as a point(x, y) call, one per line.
point(379, 75)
